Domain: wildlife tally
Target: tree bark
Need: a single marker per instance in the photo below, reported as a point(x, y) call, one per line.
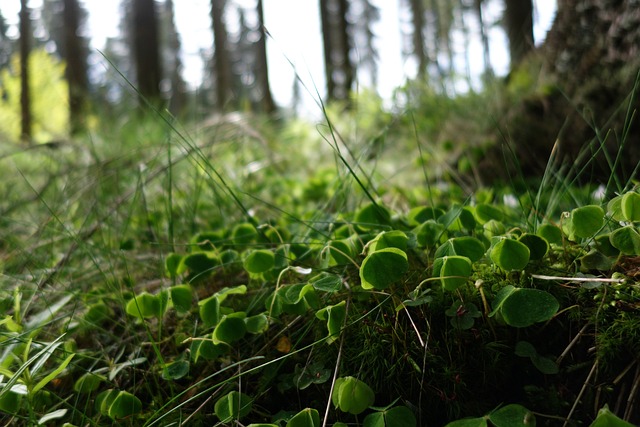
point(581, 116)
point(25, 94)
point(76, 70)
point(339, 69)
point(518, 19)
point(262, 68)
point(221, 60)
point(146, 49)
point(419, 45)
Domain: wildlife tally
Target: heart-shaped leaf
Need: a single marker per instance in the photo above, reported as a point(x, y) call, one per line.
point(382, 268)
point(538, 247)
point(626, 240)
point(512, 416)
point(233, 406)
point(308, 417)
point(230, 329)
point(181, 297)
point(259, 261)
point(587, 220)
point(454, 272)
point(352, 395)
point(522, 307)
point(334, 315)
point(630, 206)
point(509, 254)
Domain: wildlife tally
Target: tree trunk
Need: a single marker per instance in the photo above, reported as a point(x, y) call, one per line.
point(518, 20)
point(581, 118)
point(221, 60)
point(419, 45)
point(76, 71)
point(262, 69)
point(25, 95)
point(339, 69)
point(146, 49)
point(486, 57)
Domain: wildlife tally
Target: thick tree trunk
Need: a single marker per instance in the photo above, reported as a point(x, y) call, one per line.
point(581, 119)
point(25, 95)
point(146, 49)
point(262, 68)
point(76, 71)
point(221, 60)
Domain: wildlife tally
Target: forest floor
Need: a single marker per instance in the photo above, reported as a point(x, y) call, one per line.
point(345, 273)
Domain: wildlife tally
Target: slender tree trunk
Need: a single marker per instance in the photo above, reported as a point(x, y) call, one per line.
point(25, 95)
point(76, 71)
point(488, 69)
point(221, 60)
point(339, 69)
point(518, 18)
point(419, 45)
point(262, 68)
point(146, 49)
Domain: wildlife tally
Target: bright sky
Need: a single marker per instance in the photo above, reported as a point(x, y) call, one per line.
point(298, 40)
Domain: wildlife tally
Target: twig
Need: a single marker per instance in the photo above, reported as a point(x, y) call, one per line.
point(578, 279)
point(632, 394)
point(571, 344)
point(582, 390)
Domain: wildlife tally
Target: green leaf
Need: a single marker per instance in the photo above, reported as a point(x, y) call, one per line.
point(122, 405)
point(88, 382)
point(372, 216)
point(538, 246)
point(614, 208)
point(420, 214)
point(342, 251)
point(206, 349)
point(389, 239)
point(172, 264)
point(606, 418)
point(454, 272)
point(352, 395)
point(326, 282)
point(630, 206)
point(210, 311)
point(144, 305)
point(257, 324)
point(199, 264)
point(512, 416)
point(429, 233)
point(244, 234)
point(626, 240)
point(308, 417)
point(46, 380)
point(587, 220)
point(223, 293)
point(595, 260)
point(509, 254)
point(469, 422)
point(334, 315)
point(399, 416)
point(229, 330)
point(181, 297)
point(522, 307)
point(382, 268)
point(10, 402)
point(259, 261)
point(176, 369)
point(233, 406)
point(467, 246)
point(486, 212)
point(550, 233)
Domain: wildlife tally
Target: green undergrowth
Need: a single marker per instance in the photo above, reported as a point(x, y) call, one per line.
point(242, 273)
